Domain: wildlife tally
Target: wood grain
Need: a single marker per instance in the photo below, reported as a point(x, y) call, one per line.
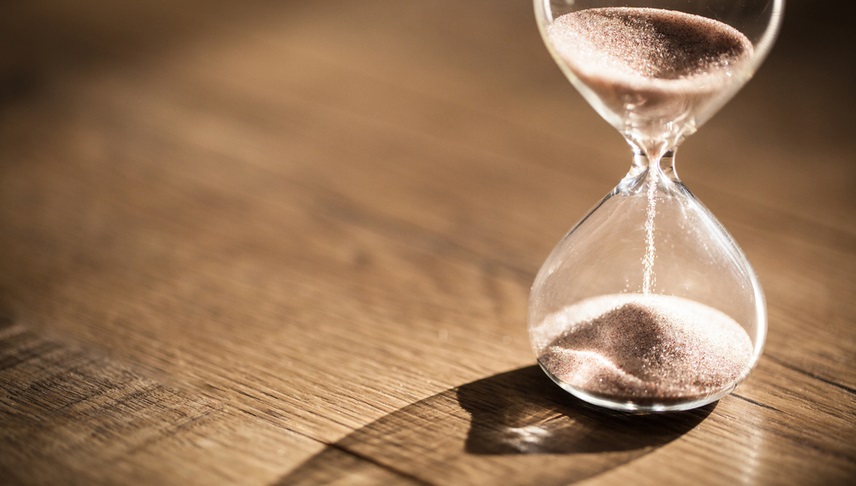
point(291, 243)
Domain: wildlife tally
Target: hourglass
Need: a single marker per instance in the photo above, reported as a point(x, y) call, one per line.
point(648, 304)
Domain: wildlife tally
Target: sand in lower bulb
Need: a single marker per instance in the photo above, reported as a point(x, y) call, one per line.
point(644, 349)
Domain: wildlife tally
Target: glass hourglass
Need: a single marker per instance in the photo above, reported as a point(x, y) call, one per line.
point(648, 304)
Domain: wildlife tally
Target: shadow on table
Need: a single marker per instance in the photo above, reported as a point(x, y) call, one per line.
point(523, 412)
point(514, 427)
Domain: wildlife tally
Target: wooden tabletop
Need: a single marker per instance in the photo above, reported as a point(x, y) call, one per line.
point(292, 242)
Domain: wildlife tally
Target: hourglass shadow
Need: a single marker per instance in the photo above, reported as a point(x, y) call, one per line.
point(514, 427)
point(523, 412)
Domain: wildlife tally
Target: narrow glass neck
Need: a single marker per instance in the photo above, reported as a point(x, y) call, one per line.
point(660, 166)
point(647, 172)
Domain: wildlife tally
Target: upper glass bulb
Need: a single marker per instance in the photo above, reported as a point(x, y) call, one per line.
point(657, 70)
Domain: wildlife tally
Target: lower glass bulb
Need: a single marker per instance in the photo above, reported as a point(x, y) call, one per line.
point(647, 304)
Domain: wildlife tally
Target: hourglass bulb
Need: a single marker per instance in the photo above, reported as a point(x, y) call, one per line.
point(648, 303)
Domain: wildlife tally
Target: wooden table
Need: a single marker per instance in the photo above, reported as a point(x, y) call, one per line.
point(292, 242)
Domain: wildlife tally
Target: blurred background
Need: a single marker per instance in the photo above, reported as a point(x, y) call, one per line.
point(482, 60)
